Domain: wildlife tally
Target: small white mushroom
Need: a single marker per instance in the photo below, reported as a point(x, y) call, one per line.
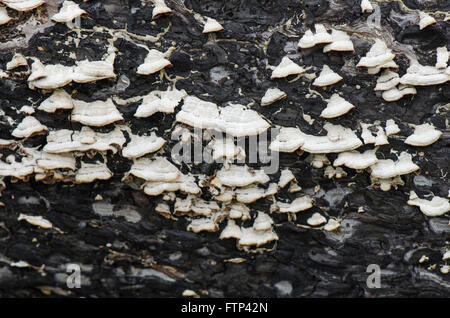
point(183, 183)
point(249, 237)
point(391, 127)
point(272, 95)
point(253, 193)
point(4, 17)
point(338, 139)
point(436, 207)
point(397, 93)
point(232, 230)
point(263, 222)
point(212, 25)
point(356, 160)
point(239, 176)
point(425, 20)
point(156, 170)
point(16, 61)
point(36, 220)
point(142, 145)
point(23, 5)
point(299, 204)
point(419, 75)
point(288, 140)
point(327, 77)
point(97, 113)
point(442, 56)
point(154, 62)
point(69, 11)
point(319, 160)
point(332, 225)
point(381, 137)
point(286, 67)
point(28, 127)
point(423, 135)
point(366, 6)
point(316, 219)
point(388, 80)
point(92, 171)
point(59, 99)
point(310, 39)
point(340, 42)
point(91, 71)
point(387, 168)
point(203, 224)
point(160, 8)
point(286, 176)
point(29, 110)
point(378, 55)
point(337, 106)
point(160, 101)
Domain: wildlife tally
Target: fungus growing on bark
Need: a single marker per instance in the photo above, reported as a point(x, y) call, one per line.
point(337, 106)
point(90, 172)
point(340, 42)
point(16, 61)
point(69, 11)
point(327, 77)
point(356, 160)
point(423, 135)
point(23, 5)
point(310, 39)
point(142, 145)
point(212, 25)
point(387, 168)
point(28, 127)
point(435, 207)
point(4, 17)
point(285, 68)
point(154, 62)
point(272, 95)
point(98, 113)
point(425, 20)
point(160, 101)
point(59, 99)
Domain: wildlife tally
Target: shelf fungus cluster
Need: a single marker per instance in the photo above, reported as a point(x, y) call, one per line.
point(233, 196)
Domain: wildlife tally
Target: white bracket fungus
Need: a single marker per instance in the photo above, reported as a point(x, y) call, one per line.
point(288, 140)
point(212, 25)
point(97, 113)
point(28, 127)
point(16, 61)
point(356, 160)
point(239, 211)
point(226, 148)
point(332, 225)
point(49, 161)
point(366, 6)
point(387, 80)
point(19, 170)
point(69, 11)
point(250, 237)
point(232, 230)
point(286, 67)
point(330, 172)
point(391, 127)
point(253, 193)
point(29, 110)
point(183, 183)
point(59, 99)
point(327, 77)
point(4, 17)
point(378, 55)
point(423, 135)
point(338, 139)
point(160, 8)
point(337, 106)
point(23, 5)
point(381, 137)
point(310, 39)
point(160, 101)
point(435, 207)
point(299, 204)
point(316, 219)
point(263, 222)
point(397, 93)
point(86, 139)
point(56, 75)
point(272, 95)
point(203, 224)
point(442, 56)
point(425, 20)
point(92, 171)
point(154, 62)
point(239, 176)
point(235, 120)
point(387, 184)
point(36, 220)
point(142, 145)
point(158, 169)
point(319, 160)
point(340, 42)
point(387, 168)
point(419, 75)
point(366, 134)
point(286, 177)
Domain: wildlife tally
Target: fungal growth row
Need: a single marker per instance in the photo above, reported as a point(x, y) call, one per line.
point(224, 196)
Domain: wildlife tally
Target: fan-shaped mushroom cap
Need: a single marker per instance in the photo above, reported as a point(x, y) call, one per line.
point(327, 77)
point(423, 135)
point(286, 67)
point(387, 168)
